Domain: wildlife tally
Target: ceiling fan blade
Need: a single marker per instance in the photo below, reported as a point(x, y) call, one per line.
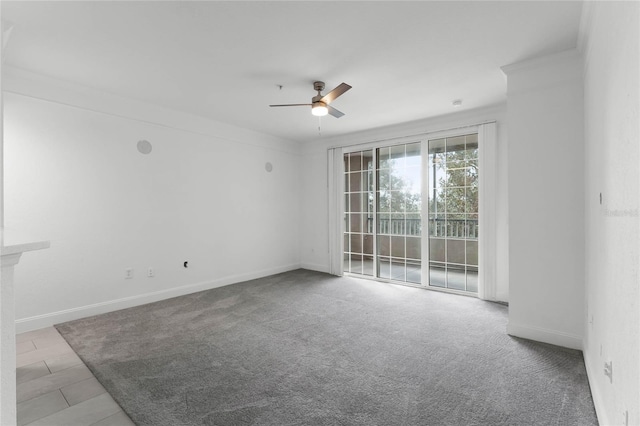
point(334, 112)
point(283, 105)
point(332, 95)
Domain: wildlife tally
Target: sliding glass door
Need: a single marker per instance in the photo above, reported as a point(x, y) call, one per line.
point(453, 212)
point(398, 211)
point(384, 213)
point(359, 207)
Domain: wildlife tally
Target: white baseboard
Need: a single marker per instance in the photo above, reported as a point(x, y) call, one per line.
point(315, 267)
point(553, 337)
point(595, 391)
point(49, 319)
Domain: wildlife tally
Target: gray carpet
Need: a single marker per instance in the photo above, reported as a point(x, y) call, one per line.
point(305, 348)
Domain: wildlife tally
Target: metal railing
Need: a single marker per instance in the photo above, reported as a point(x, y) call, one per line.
point(454, 228)
point(451, 228)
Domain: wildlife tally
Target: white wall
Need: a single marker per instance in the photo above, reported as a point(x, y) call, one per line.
point(73, 176)
point(612, 135)
point(314, 243)
point(546, 199)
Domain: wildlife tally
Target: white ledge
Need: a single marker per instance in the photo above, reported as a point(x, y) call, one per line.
point(16, 242)
point(22, 247)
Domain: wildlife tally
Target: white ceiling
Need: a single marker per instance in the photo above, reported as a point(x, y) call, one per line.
point(224, 60)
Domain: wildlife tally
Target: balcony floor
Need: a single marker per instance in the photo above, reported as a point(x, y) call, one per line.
point(397, 271)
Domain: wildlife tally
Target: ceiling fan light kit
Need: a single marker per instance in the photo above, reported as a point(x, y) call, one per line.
point(319, 109)
point(320, 103)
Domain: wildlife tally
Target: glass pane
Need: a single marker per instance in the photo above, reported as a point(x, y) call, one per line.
point(413, 248)
point(398, 271)
point(383, 158)
point(437, 274)
point(397, 201)
point(355, 162)
point(384, 245)
point(396, 224)
point(471, 200)
point(456, 251)
point(346, 266)
point(384, 201)
point(397, 246)
point(456, 143)
point(368, 202)
point(383, 180)
point(472, 226)
point(397, 157)
point(472, 252)
point(368, 225)
point(367, 160)
point(367, 244)
point(413, 225)
point(355, 182)
point(369, 175)
point(356, 243)
point(437, 249)
point(367, 265)
point(471, 175)
point(455, 200)
point(413, 158)
point(383, 224)
point(414, 271)
point(471, 151)
point(472, 279)
point(356, 264)
point(384, 267)
point(355, 201)
point(355, 222)
point(456, 278)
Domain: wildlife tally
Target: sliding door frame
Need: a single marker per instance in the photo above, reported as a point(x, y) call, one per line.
point(487, 154)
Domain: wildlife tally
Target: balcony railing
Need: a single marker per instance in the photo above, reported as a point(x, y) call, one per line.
point(454, 228)
point(451, 228)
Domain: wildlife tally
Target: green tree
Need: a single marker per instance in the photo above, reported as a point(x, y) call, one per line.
point(398, 195)
point(457, 191)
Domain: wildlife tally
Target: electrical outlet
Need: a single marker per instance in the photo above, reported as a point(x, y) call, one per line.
point(608, 370)
point(128, 273)
point(150, 272)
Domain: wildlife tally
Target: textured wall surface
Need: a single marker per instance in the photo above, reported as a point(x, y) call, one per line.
point(74, 176)
point(612, 100)
point(546, 200)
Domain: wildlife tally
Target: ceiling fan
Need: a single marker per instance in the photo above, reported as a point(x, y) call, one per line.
point(319, 103)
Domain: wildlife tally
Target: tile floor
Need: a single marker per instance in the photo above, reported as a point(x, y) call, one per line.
point(54, 387)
